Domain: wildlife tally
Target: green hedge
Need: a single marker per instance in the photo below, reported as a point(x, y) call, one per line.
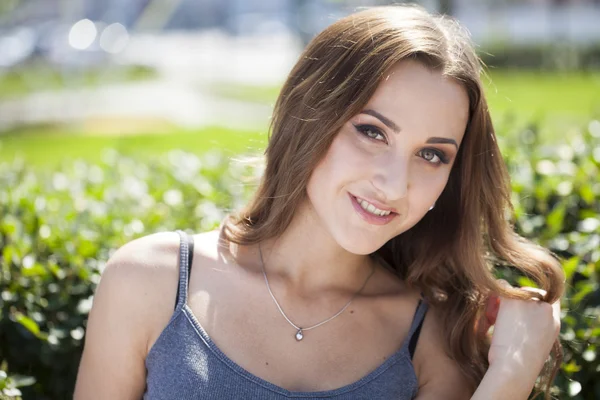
point(57, 230)
point(555, 56)
point(59, 227)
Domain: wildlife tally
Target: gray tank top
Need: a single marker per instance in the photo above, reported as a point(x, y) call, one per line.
point(184, 363)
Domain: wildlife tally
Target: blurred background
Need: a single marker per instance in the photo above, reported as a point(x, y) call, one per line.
point(120, 118)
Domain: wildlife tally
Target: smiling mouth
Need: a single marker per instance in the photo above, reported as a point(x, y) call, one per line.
point(372, 208)
point(370, 213)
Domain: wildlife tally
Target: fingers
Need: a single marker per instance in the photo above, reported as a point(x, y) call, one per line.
point(492, 306)
point(489, 315)
point(491, 309)
point(540, 294)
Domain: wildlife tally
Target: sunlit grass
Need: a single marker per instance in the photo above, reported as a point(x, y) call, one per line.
point(556, 99)
point(553, 102)
point(49, 146)
point(532, 93)
point(36, 77)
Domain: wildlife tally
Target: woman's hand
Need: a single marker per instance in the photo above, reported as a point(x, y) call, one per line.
point(524, 332)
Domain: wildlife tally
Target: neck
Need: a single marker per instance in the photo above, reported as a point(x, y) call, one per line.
point(308, 261)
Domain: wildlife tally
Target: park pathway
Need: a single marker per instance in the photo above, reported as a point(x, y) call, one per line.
point(189, 67)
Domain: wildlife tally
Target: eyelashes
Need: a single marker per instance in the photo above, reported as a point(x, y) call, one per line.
point(370, 131)
point(435, 153)
point(429, 154)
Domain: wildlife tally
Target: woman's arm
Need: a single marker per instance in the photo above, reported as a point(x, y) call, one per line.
point(503, 383)
point(498, 384)
point(132, 303)
point(524, 332)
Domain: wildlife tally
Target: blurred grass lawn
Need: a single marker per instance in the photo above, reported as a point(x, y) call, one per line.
point(39, 77)
point(557, 101)
point(542, 96)
point(527, 96)
point(45, 147)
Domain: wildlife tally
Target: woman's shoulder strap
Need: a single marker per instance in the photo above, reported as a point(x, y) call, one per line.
point(186, 256)
point(415, 328)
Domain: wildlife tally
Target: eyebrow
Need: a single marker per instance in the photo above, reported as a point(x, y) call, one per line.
point(390, 124)
point(442, 140)
point(387, 122)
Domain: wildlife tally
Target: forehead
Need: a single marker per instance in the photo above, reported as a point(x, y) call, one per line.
point(422, 101)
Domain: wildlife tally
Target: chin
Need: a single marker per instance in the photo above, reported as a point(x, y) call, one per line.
point(360, 245)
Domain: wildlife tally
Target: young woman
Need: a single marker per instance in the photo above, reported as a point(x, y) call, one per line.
point(362, 268)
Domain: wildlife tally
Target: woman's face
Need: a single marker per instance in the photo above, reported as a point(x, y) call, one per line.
point(394, 156)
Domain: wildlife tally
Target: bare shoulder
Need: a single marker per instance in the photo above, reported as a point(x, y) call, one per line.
point(439, 376)
point(209, 245)
point(142, 275)
point(142, 278)
point(140, 264)
point(145, 273)
point(145, 253)
point(134, 299)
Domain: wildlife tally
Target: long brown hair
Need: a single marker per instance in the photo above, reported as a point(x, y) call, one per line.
point(451, 253)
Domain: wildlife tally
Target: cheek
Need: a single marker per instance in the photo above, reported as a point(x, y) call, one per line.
point(324, 174)
point(429, 180)
point(425, 189)
point(340, 162)
point(342, 165)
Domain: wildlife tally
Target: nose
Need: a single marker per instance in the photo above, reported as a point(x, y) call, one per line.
point(391, 178)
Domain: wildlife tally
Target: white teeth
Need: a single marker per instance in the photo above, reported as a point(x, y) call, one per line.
point(372, 209)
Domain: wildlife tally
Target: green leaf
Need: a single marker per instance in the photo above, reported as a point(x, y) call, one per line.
point(555, 219)
point(570, 266)
point(587, 193)
point(28, 323)
point(582, 292)
point(525, 281)
point(571, 367)
point(36, 270)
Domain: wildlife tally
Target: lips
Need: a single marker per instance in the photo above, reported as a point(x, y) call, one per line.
point(368, 217)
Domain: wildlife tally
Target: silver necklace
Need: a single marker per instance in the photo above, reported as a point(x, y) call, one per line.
point(300, 331)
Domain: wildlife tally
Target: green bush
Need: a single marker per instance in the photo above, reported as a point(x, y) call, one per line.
point(57, 230)
point(554, 56)
point(556, 194)
point(59, 227)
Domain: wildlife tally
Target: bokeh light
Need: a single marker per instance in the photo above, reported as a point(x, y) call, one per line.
point(114, 38)
point(82, 34)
